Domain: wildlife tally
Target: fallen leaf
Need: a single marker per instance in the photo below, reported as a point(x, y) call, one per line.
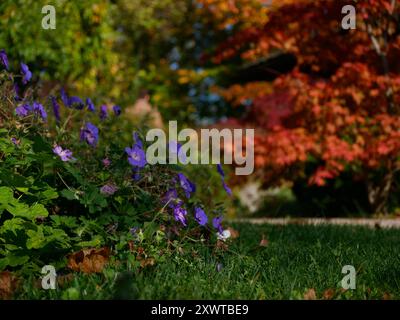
point(234, 233)
point(64, 280)
point(147, 262)
point(387, 296)
point(328, 294)
point(8, 285)
point(221, 245)
point(89, 260)
point(264, 242)
point(131, 245)
point(310, 294)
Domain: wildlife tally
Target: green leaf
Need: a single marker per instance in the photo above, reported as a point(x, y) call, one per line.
point(95, 242)
point(38, 210)
point(49, 194)
point(13, 225)
point(69, 194)
point(36, 239)
point(6, 195)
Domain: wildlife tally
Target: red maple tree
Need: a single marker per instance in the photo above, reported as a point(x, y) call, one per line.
point(338, 107)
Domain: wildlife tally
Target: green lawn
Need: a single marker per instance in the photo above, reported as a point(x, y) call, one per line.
point(296, 259)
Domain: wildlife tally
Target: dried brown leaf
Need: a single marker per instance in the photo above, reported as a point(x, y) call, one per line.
point(89, 260)
point(8, 285)
point(387, 296)
point(234, 233)
point(264, 241)
point(221, 245)
point(64, 280)
point(310, 294)
point(328, 294)
point(147, 262)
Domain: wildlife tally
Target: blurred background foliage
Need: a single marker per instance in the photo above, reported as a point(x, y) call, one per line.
point(207, 61)
point(111, 50)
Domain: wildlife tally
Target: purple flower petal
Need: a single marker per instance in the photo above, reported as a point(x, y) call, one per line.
point(187, 186)
point(108, 189)
point(39, 110)
point(117, 110)
point(90, 105)
point(180, 214)
point(27, 74)
point(106, 162)
point(170, 197)
point(56, 108)
point(103, 112)
point(65, 155)
point(4, 59)
point(136, 156)
point(220, 170)
point(76, 102)
point(217, 224)
point(227, 189)
point(90, 134)
point(23, 111)
point(200, 216)
point(65, 98)
point(137, 140)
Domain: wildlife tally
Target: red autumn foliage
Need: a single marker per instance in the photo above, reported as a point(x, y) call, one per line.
point(339, 107)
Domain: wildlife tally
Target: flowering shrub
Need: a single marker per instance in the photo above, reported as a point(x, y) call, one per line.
point(68, 182)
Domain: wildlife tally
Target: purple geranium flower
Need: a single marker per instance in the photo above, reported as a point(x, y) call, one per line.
point(200, 216)
point(137, 140)
point(187, 186)
point(39, 110)
point(170, 197)
point(117, 110)
point(108, 189)
point(90, 133)
point(90, 105)
point(27, 74)
point(136, 174)
point(65, 155)
point(64, 98)
point(23, 111)
point(217, 224)
point(220, 170)
point(180, 213)
point(4, 59)
point(16, 90)
point(15, 141)
point(56, 108)
point(103, 112)
point(136, 156)
point(76, 102)
point(227, 189)
point(106, 162)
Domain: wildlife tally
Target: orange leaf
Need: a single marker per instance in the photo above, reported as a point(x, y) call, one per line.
point(234, 233)
point(328, 294)
point(310, 294)
point(8, 284)
point(89, 260)
point(264, 242)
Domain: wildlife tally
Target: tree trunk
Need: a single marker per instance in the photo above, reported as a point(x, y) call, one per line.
point(378, 193)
